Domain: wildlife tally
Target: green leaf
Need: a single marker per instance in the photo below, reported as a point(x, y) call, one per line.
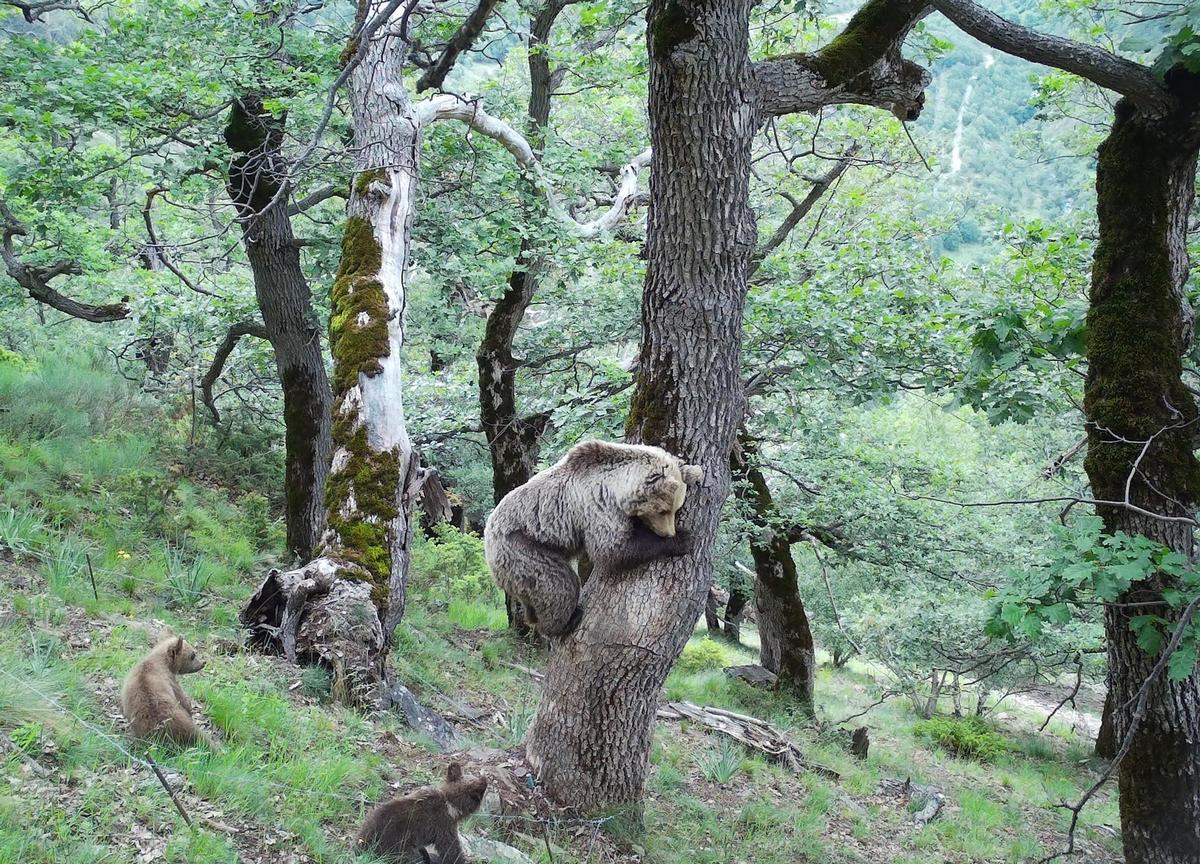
point(1183, 661)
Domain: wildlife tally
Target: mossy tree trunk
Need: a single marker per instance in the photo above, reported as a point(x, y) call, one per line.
point(783, 628)
point(1142, 428)
point(590, 740)
point(256, 176)
point(374, 478)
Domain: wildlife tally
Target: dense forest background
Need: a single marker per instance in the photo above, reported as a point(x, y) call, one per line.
point(914, 351)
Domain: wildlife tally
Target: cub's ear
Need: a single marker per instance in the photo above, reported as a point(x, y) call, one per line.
point(453, 772)
point(692, 474)
point(176, 647)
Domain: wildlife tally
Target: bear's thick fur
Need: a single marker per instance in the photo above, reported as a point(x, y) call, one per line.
point(616, 502)
point(152, 701)
point(400, 829)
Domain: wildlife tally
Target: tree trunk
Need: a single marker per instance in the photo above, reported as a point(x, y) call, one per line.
point(735, 610)
point(1139, 326)
point(783, 629)
point(292, 326)
point(590, 740)
point(374, 477)
point(1106, 737)
point(515, 441)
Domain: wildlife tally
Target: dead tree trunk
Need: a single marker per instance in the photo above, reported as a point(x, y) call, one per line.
point(590, 740)
point(374, 476)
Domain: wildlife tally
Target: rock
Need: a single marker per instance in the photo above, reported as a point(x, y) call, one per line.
point(754, 675)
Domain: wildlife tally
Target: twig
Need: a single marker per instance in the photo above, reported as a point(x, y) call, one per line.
point(1139, 712)
point(1070, 697)
point(92, 576)
point(924, 161)
point(887, 694)
point(170, 791)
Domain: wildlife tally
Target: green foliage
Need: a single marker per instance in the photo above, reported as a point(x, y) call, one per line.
point(965, 737)
point(187, 577)
point(721, 764)
point(703, 656)
point(316, 682)
point(1089, 563)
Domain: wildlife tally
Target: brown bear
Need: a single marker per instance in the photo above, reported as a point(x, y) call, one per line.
point(401, 829)
point(616, 502)
point(152, 701)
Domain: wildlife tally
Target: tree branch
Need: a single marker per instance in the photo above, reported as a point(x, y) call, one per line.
point(470, 112)
point(160, 250)
point(315, 198)
point(1087, 61)
point(33, 12)
point(435, 75)
point(862, 65)
point(36, 280)
point(236, 332)
point(802, 208)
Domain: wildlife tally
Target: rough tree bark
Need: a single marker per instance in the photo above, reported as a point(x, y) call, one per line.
point(256, 176)
point(786, 638)
point(1139, 324)
point(590, 740)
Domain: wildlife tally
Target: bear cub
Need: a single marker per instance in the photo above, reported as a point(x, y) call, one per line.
point(616, 502)
point(152, 701)
point(401, 829)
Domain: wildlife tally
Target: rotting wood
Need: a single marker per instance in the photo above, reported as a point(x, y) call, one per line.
point(751, 732)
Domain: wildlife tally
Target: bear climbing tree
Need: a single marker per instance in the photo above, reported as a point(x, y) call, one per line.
point(590, 741)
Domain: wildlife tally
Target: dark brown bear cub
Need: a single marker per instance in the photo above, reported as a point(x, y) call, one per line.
point(401, 829)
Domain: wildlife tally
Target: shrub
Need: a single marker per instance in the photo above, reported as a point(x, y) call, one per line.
point(966, 738)
point(722, 764)
point(702, 656)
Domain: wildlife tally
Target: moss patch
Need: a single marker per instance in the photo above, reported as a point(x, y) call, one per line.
point(871, 33)
point(358, 322)
point(651, 408)
point(1135, 340)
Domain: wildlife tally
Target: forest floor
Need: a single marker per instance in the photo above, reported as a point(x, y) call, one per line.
point(170, 538)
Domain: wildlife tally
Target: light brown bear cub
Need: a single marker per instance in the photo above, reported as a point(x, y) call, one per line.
point(401, 829)
point(617, 502)
point(152, 701)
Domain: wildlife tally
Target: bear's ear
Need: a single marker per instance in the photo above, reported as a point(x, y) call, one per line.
point(692, 474)
point(453, 772)
point(176, 648)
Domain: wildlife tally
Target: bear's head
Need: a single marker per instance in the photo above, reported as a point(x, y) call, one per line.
point(465, 796)
point(661, 493)
point(181, 656)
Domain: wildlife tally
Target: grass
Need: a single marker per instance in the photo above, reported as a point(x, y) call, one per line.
point(179, 535)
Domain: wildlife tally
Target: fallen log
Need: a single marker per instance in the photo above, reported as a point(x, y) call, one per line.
point(751, 732)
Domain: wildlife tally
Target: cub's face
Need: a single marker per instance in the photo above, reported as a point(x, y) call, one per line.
point(465, 797)
point(182, 657)
point(661, 495)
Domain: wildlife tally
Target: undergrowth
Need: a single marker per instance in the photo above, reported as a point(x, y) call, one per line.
point(178, 527)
